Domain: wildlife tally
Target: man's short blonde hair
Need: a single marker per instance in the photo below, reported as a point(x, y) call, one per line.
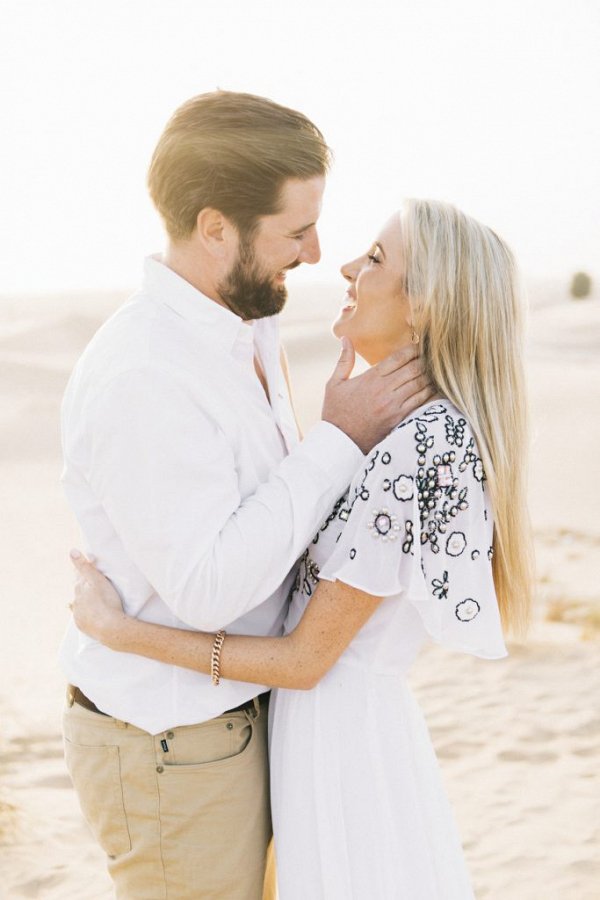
point(232, 152)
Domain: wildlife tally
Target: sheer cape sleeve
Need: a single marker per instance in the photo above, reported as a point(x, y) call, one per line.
point(419, 524)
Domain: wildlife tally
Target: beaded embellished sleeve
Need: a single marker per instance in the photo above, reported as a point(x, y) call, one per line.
point(420, 525)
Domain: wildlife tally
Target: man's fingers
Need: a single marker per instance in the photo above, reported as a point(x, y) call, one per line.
point(404, 376)
point(397, 360)
point(419, 383)
point(416, 400)
point(346, 361)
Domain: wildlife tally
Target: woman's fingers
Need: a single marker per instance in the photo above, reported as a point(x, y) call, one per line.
point(93, 592)
point(86, 569)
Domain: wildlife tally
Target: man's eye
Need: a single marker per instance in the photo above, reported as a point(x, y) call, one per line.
point(298, 237)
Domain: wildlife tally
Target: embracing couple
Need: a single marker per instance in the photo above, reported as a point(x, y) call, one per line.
point(232, 556)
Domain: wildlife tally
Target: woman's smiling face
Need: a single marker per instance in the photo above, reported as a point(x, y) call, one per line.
point(376, 314)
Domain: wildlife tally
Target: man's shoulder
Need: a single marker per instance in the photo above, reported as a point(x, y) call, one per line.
point(121, 344)
point(140, 337)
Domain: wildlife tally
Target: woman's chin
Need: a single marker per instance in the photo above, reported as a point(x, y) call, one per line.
point(337, 329)
point(342, 326)
point(365, 349)
point(339, 332)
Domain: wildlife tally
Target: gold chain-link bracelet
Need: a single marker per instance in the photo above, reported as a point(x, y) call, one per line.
point(215, 656)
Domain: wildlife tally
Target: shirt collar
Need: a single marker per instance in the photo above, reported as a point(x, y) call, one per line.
point(169, 288)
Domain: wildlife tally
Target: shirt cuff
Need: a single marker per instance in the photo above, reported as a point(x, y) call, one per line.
point(333, 452)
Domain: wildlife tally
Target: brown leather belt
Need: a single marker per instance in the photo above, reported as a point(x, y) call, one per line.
point(75, 695)
point(249, 704)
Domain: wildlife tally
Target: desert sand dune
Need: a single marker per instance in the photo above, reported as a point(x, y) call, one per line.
point(518, 740)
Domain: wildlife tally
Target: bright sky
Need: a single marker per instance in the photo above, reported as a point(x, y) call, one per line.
point(489, 104)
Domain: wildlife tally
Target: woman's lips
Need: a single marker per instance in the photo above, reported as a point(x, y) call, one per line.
point(349, 302)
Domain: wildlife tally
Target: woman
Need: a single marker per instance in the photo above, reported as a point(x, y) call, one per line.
point(430, 541)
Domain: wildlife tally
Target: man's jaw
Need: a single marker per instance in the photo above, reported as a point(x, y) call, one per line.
point(250, 297)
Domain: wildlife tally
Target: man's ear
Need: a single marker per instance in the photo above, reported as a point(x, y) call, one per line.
point(215, 232)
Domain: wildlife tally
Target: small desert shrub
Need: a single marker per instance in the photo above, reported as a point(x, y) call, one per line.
point(8, 817)
point(591, 623)
point(585, 613)
point(581, 285)
point(562, 610)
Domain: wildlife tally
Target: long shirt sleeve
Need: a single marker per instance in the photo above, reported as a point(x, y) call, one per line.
point(167, 477)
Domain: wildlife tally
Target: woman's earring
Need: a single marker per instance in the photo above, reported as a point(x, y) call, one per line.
point(414, 339)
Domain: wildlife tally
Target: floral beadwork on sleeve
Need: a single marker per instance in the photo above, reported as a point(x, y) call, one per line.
point(384, 525)
point(448, 471)
point(440, 586)
point(455, 431)
point(403, 487)
point(415, 522)
point(449, 476)
point(339, 513)
point(467, 610)
point(307, 577)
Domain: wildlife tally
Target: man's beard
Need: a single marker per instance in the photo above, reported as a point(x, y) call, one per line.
point(249, 293)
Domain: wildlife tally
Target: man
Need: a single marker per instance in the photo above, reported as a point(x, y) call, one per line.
point(193, 491)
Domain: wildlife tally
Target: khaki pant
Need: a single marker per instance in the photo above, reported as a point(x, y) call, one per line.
point(182, 815)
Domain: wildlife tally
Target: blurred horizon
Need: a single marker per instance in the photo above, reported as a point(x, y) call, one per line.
point(308, 303)
point(488, 106)
point(540, 290)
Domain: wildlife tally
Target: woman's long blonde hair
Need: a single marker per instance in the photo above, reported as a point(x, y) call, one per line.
point(468, 310)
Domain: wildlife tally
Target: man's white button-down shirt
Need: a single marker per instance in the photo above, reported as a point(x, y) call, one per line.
point(192, 490)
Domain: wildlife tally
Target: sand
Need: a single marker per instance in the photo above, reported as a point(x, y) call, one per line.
point(518, 740)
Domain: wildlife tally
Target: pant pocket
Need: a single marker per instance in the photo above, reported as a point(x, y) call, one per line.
point(96, 776)
point(216, 741)
point(215, 819)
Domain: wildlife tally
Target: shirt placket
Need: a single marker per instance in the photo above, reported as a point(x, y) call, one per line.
point(269, 354)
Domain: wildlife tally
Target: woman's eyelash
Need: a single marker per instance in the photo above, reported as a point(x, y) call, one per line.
point(373, 258)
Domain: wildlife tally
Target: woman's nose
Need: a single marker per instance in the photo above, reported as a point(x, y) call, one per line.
point(348, 271)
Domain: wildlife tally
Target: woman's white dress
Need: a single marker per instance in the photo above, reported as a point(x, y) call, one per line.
point(359, 809)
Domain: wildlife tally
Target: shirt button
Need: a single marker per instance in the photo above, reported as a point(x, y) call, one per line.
point(160, 769)
point(170, 735)
point(230, 725)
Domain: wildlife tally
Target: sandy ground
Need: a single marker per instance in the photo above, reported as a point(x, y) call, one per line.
point(518, 740)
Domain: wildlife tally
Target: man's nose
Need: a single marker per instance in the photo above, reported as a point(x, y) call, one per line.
point(311, 249)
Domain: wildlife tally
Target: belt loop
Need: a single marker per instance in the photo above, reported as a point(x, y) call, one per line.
point(256, 703)
point(70, 695)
